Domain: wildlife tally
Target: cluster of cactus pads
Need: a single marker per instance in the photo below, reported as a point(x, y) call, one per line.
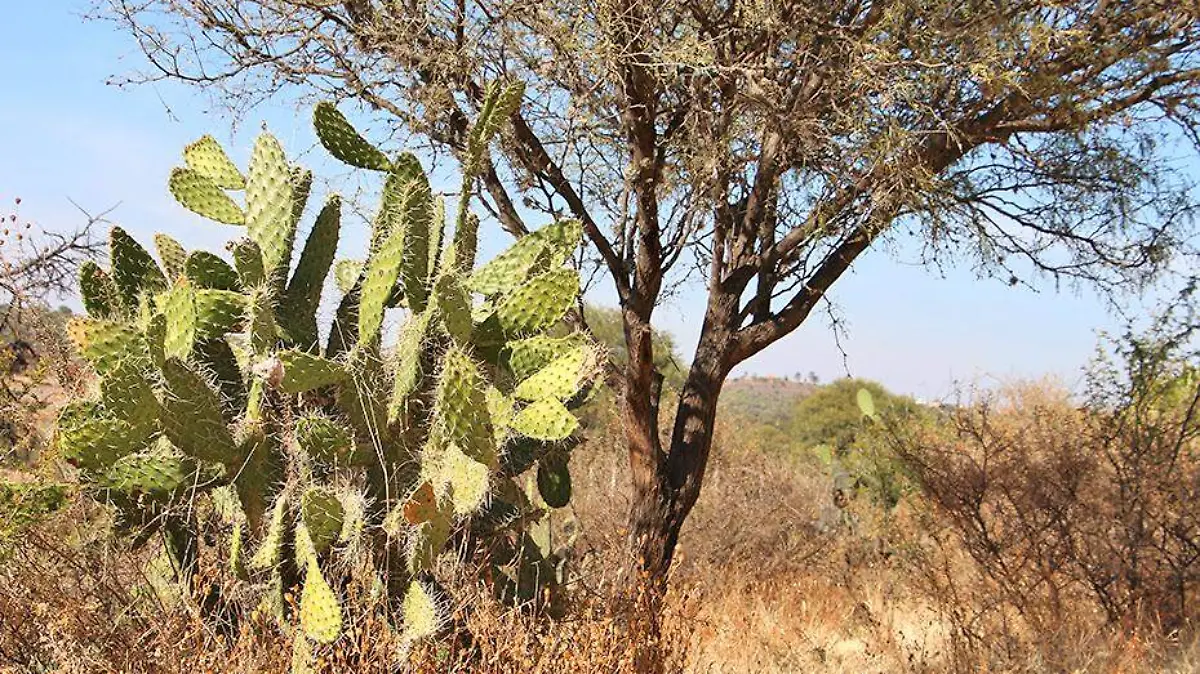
point(217, 395)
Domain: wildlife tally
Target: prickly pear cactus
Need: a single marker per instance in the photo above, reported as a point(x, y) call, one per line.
point(214, 389)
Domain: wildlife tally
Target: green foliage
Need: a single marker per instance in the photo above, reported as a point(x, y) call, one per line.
point(831, 415)
point(212, 389)
point(837, 425)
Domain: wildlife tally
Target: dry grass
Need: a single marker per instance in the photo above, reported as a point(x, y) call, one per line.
point(758, 587)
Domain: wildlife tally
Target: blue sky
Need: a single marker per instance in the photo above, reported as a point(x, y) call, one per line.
point(66, 135)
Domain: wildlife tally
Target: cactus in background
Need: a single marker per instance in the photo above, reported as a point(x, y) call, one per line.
point(213, 388)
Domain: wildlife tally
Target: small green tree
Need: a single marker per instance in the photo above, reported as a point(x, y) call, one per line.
point(832, 425)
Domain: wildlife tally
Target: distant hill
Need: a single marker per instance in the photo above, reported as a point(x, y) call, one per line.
point(768, 400)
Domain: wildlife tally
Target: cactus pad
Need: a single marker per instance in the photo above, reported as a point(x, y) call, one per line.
point(320, 612)
point(551, 245)
point(454, 306)
point(105, 343)
point(539, 303)
point(554, 481)
point(422, 618)
point(157, 471)
point(343, 142)
point(100, 296)
point(200, 195)
point(546, 420)
point(248, 260)
point(133, 270)
point(179, 307)
point(322, 513)
point(205, 156)
point(269, 201)
point(206, 270)
point(324, 440)
point(303, 371)
point(219, 312)
point(469, 480)
point(558, 379)
point(171, 254)
point(270, 552)
point(192, 416)
point(346, 273)
point(462, 407)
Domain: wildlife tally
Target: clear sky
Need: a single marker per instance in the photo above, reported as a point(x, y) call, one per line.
point(66, 135)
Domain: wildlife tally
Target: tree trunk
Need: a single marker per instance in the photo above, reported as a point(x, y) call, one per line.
point(666, 486)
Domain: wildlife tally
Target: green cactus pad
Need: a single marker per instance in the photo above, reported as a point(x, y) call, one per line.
point(343, 142)
point(237, 565)
point(157, 471)
point(269, 202)
point(192, 416)
point(248, 260)
point(422, 617)
point(501, 101)
point(552, 244)
point(94, 444)
point(219, 312)
point(303, 661)
point(100, 296)
point(304, 290)
point(408, 363)
point(528, 356)
point(418, 222)
point(554, 481)
point(546, 420)
point(270, 552)
point(179, 307)
point(346, 273)
point(437, 229)
point(303, 371)
point(454, 306)
point(206, 157)
point(133, 270)
point(539, 303)
point(500, 410)
point(320, 612)
point(216, 356)
point(171, 254)
point(127, 395)
point(206, 270)
point(200, 195)
point(321, 510)
point(363, 397)
point(383, 266)
point(461, 405)
point(105, 344)
point(154, 337)
point(260, 317)
point(324, 440)
point(469, 480)
point(558, 379)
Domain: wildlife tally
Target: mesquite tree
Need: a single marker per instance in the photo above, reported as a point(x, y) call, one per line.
point(762, 144)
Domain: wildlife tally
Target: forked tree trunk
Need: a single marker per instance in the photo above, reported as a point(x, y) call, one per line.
point(666, 484)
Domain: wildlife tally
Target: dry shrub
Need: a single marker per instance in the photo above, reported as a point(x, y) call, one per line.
point(1070, 522)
